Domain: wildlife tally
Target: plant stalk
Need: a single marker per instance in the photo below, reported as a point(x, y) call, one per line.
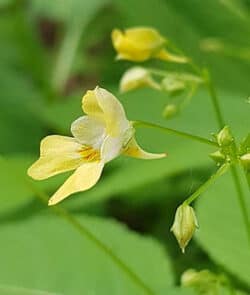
point(175, 132)
point(207, 184)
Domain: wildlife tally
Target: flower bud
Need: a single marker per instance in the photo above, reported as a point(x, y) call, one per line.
point(224, 137)
point(203, 282)
point(218, 157)
point(137, 77)
point(173, 84)
point(142, 43)
point(245, 160)
point(184, 226)
point(170, 110)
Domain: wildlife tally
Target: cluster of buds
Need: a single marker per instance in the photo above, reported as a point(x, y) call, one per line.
point(204, 281)
point(140, 44)
point(228, 152)
point(244, 153)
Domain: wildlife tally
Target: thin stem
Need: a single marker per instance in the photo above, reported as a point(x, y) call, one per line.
point(175, 132)
point(241, 200)
point(234, 171)
point(157, 72)
point(194, 66)
point(210, 87)
point(98, 243)
point(207, 184)
point(247, 178)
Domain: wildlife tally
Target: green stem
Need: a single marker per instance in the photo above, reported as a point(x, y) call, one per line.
point(247, 178)
point(98, 243)
point(66, 55)
point(194, 66)
point(157, 72)
point(175, 132)
point(234, 171)
point(206, 185)
point(241, 200)
point(210, 87)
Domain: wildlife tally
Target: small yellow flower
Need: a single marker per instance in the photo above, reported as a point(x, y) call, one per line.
point(99, 137)
point(184, 226)
point(140, 44)
point(137, 77)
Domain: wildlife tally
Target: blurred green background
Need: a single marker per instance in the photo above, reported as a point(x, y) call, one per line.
point(51, 52)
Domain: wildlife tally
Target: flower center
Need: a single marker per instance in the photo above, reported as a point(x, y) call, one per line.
point(89, 154)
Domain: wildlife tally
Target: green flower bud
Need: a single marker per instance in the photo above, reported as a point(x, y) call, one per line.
point(204, 281)
point(170, 110)
point(218, 157)
point(224, 137)
point(245, 160)
point(173, 84)
point(184, 226)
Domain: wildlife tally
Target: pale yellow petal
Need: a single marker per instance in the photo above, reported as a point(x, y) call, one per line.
point(57, 154)
point(145, 37)
point(104, 106)
point(85, 177)
point(91, 106)
point(135, 151)
point(88, 131)
point(167, 56)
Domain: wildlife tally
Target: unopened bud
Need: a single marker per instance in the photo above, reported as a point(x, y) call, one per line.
point(184, 226)
point(245, 160)
point(173, 84)
point(203, 282)
point(170, 110)
point(218, 157)
point(137, 77)
point(224, 137)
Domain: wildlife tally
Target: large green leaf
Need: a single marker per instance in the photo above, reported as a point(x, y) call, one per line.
point(10, 290)
point(222, 231)
point(16, 187)
point(47, 253)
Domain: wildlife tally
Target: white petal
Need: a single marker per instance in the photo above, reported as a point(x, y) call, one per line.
point(89, 131)
point(111, 148)
point(85, 177)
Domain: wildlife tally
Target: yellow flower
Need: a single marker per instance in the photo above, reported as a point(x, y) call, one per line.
point(99, 137)
point(140, 44)
point(137, 77)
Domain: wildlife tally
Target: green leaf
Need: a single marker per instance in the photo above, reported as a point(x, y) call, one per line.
point(222, 231)
point(48, 254)
point(10, 290)
point(15, 184)
point(19, 127)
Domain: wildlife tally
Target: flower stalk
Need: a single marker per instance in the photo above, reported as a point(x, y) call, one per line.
point(175, 132)
point(208, 183)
